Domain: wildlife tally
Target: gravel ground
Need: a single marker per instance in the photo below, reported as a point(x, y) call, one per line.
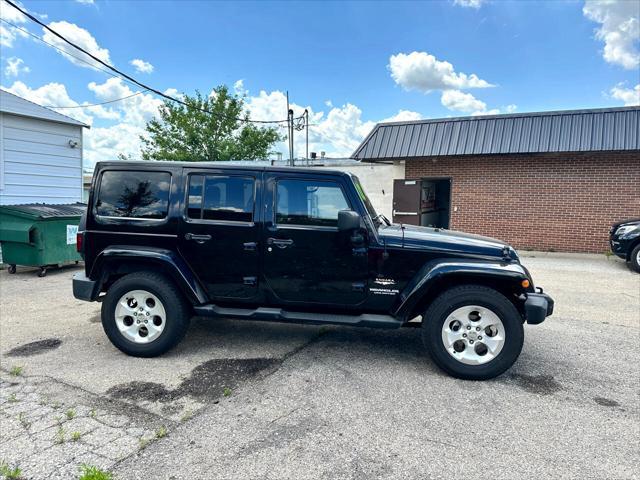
point(256, 400)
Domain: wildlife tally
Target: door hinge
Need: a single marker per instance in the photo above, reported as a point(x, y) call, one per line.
point(249, 280)
point(357, 287)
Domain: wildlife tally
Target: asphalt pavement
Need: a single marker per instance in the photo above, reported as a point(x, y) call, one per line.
point(256, 400)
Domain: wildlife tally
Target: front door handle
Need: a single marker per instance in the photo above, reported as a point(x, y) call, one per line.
point(280, 242)
point(197, 238)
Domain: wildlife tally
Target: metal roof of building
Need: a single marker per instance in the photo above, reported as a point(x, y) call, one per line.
point(560, 131)
point(10, 103)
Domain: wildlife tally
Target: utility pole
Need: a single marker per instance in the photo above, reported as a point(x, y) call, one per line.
point(290, 130)
point(306, 118)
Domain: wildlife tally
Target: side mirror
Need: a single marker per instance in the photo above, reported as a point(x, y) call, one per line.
point(348, 220)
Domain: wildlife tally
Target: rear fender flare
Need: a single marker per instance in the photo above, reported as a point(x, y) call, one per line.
point(436, 271)
point(115, 259)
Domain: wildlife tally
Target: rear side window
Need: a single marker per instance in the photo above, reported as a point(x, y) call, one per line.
point(134, 194)
point(214, 197)
point(309, 202)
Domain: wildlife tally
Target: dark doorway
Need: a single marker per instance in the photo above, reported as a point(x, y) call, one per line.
point(425, 202)
point(435, 205)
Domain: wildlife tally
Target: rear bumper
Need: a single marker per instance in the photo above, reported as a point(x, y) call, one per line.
point(538, 306)
point(84, 288)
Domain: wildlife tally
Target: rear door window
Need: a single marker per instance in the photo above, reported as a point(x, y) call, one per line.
point(221, 198)
point(134, 194)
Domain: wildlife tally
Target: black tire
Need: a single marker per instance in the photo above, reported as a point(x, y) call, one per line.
point(178, 313)
point(11, 269)
point(634, 260)
point(42, 272)
point(450, 300)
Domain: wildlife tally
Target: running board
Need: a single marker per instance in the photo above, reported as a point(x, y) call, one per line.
point(279, 315)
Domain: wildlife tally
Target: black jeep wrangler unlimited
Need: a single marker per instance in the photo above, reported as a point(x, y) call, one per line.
point(165, 241)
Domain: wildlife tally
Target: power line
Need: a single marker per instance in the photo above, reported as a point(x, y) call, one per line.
point(98, 104)
point(128, 77)
point(63, 51)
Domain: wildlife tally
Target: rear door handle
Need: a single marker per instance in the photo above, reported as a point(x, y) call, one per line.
point(280, 242)
point(197, 238)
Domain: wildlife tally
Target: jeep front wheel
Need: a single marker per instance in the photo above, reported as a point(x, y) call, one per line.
point(144, 315)
point(473, 332)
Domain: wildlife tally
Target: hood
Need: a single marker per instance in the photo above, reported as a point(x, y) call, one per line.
point(449, 241)
point(630, 221)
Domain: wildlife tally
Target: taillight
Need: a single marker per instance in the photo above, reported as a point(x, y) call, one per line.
point(80, 242)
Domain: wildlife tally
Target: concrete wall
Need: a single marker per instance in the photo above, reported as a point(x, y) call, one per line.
point(36, 162)
point(377, 181)
point(562, 202)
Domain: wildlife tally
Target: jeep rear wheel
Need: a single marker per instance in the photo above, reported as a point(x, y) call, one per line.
point(144, 314)
point(473, 332)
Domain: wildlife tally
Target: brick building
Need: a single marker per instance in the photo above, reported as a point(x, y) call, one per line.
point(552, 181)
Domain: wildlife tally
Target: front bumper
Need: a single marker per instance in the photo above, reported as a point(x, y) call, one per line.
point(538, 306)
point(84, 288)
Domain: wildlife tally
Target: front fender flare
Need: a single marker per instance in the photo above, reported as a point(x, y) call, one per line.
point(170, 262)
point(435, 271)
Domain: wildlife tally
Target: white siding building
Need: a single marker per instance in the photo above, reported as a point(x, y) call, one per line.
point(40, 154)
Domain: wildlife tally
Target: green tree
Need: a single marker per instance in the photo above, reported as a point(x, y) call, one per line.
point(189, 133)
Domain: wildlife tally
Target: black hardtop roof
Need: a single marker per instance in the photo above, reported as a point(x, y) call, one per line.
point(160, 165)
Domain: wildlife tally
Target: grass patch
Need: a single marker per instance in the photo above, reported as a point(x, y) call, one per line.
point(161, 432)
point(89, 472)
point(608, 253)
point(10, 473)
point(23, 421)
point(226, 391)
point(12, 398)
point(93, 413)
point(143, 443)
point(16, 371)
point(59, 436)
point(70, 413)
point(75, 436)
point(186, 416)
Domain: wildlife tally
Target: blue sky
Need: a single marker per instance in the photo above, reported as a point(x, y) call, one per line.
point(351, 64)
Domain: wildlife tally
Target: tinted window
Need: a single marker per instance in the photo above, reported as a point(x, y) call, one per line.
point(220, 198)
point(134, 194)
point(308, 202)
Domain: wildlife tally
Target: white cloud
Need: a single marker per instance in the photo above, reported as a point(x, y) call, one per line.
point(8, 34)
point(105, 143)
point(423, 72)
point(469, 3)
point(630, 96)
point(619, 30)
point(511, 108)
point(461, 102)
point(141, 66)
point(85, 2)
point(80, 37)
point(136, 110)
point(238, 88)
point(404, 116)
point(337, 132)
point(51, 94)
point(15, 66)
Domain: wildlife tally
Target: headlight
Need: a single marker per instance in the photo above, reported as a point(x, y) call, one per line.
point(623, 230)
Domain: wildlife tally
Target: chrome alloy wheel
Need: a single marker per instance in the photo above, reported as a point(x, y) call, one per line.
point(140, 316)
point(473, 335)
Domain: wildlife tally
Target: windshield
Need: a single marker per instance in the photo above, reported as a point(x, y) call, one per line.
point(364, 198)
